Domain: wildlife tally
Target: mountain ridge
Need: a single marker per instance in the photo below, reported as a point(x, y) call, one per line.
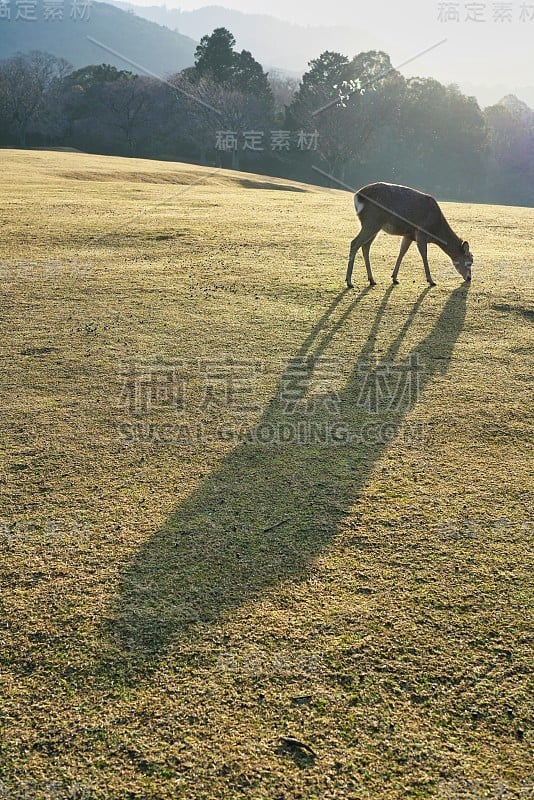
point(274, 42)
point(154, 47)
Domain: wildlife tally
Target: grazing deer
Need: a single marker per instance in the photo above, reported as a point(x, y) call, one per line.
point(413, 215)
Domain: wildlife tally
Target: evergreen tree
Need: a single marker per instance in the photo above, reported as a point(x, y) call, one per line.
point(215, 57)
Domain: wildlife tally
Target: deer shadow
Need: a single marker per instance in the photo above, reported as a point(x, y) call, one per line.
point(271, 507)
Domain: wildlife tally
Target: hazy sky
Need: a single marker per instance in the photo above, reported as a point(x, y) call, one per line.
point(494, 50)
point(415, 13)
point(333, 12)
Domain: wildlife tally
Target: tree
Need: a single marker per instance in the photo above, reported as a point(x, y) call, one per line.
point(284, 89)
point(96, 73)
point(222, 110)
point(116, 115)
point(232, 94)
point(82, 99)
point(248, 76)
point(128, 103)
point(30, 93)
point(216, 60)
point(215, 57)
point(348, 103)
point(441, 139)
point(324, 72)
point(510, 126)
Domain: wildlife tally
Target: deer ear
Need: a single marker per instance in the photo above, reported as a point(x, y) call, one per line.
point(465, 247)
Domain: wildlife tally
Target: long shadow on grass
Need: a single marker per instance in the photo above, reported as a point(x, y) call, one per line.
point(269, 509)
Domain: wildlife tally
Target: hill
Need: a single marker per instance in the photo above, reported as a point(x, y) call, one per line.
point(152, 46)
point(241, 504)
point(274, 42)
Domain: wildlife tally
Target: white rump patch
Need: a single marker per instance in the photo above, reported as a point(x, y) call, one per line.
point(358, 204)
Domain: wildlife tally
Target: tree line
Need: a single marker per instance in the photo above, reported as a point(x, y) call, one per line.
point(355, 120)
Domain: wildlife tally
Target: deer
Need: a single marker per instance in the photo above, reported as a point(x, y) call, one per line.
point(417, 217)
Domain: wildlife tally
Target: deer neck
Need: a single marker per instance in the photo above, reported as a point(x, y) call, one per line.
point(450, 243)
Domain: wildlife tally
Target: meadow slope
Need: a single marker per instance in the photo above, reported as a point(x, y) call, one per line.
point(217, 531)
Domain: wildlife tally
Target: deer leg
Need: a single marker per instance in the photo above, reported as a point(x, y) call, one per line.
point(359, 241)
point(365, 250)
point(422, 246)
point(405, 244)
point(354, 247)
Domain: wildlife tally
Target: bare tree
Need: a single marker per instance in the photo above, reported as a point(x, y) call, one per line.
point(215, 117)
point(30, 89)
point(284, 88)
point(112, 111)
point(128, 102)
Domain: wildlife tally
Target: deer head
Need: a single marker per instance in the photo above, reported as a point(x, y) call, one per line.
point(464, 261)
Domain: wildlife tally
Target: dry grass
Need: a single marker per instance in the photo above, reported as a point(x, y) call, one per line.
point(158, 634)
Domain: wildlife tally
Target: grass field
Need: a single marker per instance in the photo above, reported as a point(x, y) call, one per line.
point(220, 524)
